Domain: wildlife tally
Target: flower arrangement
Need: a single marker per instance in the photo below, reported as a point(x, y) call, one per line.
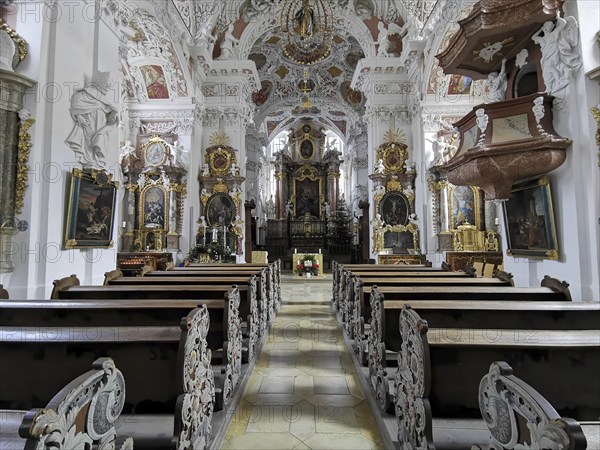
point(308, 264)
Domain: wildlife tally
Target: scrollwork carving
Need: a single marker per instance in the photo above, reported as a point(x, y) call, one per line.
point(506, 401)
point(412, 409)
point(83, 413)
point(233, 347)
point(376, 352)
point(197, 404)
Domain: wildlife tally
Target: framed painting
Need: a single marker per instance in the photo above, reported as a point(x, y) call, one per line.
point(307, 194)
point(220, 210)
point(529, 220)
point(465, 206)
point(153, 207)
point(91, 210)
point(394, 209)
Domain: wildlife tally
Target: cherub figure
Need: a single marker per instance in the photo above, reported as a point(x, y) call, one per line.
point(205, 170)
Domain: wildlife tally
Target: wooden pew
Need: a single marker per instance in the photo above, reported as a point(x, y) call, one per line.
point(350, 311)
point(381, 337)
point(273, 276)
point(165, 362)
point(254, 313)
point(268, 286)
point(74, 406)
point(439, 371)
point(342, 274)
point(246, 308)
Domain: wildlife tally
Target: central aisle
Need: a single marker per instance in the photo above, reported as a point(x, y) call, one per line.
point(303, 392)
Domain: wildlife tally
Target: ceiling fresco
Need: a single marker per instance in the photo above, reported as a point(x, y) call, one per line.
point(286, 86)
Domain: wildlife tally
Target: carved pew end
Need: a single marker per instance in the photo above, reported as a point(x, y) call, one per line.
point(63, 284)
point(508, 400)
point(557, 286)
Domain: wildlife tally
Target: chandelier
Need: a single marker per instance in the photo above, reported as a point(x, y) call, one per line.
point(307, 27)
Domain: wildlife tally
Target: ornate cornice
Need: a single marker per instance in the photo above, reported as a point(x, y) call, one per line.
point(163, 121)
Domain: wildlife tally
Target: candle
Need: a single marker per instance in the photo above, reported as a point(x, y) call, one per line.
point(295, 251)
point(319, 251)
point(496, 221)
point(124, 224)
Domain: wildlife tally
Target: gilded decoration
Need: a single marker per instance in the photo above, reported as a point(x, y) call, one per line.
point(393, 155)
point(394, 136)
point(436, 186)
point(220, 188)
point(596, 114)
point(18, 40)
point(23, 163)
point(219, 138)
point(220, 160)
point(91, 209)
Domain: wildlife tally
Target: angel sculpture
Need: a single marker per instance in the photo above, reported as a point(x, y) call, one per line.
point(380, 166)
point(383, 39)
point(561, 59)
point(497, 84)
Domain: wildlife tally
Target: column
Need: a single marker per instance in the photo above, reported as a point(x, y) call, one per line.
point(248, 207)
point(333, 180)
point(392, 97)
point(12, 89)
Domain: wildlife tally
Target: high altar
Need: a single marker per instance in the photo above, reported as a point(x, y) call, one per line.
point(307, 174)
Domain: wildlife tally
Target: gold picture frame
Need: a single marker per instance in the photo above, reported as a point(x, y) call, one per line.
point(529, 220)
point(464, 206)
point(153, 207)
point(219, 160)
point(91, 210)
point(155, 151)
point(393, 155)
point(306, 181)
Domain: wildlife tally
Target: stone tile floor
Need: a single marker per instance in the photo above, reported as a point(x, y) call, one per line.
point(303, 392)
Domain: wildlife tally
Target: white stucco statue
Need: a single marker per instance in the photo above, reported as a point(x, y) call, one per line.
point(228, 45)
point(127, 149)
point(7, 51)
point(93, 119)
point(234, 170)
point(380, 166)
point(497, 84)
point(561, 56)
point(205, 170)
point(439, 151)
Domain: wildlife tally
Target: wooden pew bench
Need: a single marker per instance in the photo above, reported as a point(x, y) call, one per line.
point(383, 333)
point(338, 271)
point(167, 367)
point(439, 370)
point(256, 303)
point(551, 290)
point(225, 340)
point(352, 312)
point(246, 307)
point(342, 285)
point(272, 280)
point(265, 287)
